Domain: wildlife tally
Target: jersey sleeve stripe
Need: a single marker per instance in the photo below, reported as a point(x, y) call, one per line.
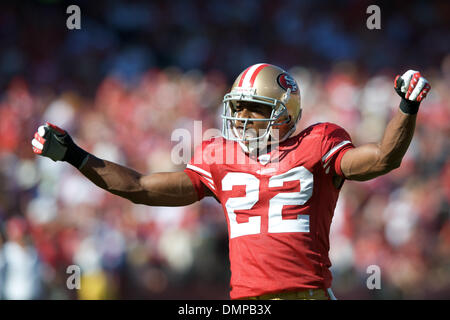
point(203, 174)
point(209, 180)
point(200, 170)
point(336, 148)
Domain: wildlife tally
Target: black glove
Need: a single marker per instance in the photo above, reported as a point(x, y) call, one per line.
point(55, 143)
point(413, 88)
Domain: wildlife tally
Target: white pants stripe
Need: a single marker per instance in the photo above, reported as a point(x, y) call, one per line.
point(331, 294)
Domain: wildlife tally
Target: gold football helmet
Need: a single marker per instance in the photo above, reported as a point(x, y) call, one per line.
point(268, 85)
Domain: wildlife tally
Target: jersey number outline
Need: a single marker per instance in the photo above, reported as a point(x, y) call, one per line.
point(276, 224)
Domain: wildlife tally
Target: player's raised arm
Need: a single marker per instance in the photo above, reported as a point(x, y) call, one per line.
point(157, 189)
point(372, 160)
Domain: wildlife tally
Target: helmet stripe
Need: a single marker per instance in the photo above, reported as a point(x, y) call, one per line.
point(243, 76)
point(252, 79)
point(248, 78)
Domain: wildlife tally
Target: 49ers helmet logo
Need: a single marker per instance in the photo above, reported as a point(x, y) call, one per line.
point(286, 81)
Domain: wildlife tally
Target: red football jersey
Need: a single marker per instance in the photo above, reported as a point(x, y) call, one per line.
point(278, 207)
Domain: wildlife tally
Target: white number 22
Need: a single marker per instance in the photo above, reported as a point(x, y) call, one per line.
point(276, 203)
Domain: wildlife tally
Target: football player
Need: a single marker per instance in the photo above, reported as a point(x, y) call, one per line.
point(280, 201)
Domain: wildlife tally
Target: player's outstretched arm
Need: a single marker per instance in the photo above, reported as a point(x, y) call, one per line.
point(157, 189)
point(372, 160)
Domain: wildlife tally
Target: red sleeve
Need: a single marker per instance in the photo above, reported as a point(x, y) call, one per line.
point(197, 182)
point(335, 143)
point(199, 171)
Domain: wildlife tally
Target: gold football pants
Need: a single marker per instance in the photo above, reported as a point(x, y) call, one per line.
point(311, 294)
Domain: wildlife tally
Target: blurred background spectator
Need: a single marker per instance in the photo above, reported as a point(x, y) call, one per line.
point(138, 70)
point(20, 267)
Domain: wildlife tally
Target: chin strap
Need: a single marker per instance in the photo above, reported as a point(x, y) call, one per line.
point(287, 135)
point(253, 146)
point(291, 130)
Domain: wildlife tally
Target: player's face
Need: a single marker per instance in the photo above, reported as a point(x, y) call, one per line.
point(252, 110)
point(245, 109)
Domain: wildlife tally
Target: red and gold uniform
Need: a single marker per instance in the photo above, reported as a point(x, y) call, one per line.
point(278, 207)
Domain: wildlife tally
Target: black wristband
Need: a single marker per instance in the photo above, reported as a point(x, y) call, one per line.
point(74, 154)
point(409, 107)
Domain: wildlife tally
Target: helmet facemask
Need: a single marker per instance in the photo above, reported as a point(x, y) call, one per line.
point(248, 138)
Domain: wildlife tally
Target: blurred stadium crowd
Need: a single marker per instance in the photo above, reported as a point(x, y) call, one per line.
point(137, 71)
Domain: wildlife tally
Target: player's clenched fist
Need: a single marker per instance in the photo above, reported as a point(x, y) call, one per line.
point(55, 143)
point(48, 142)
point(413, 88)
